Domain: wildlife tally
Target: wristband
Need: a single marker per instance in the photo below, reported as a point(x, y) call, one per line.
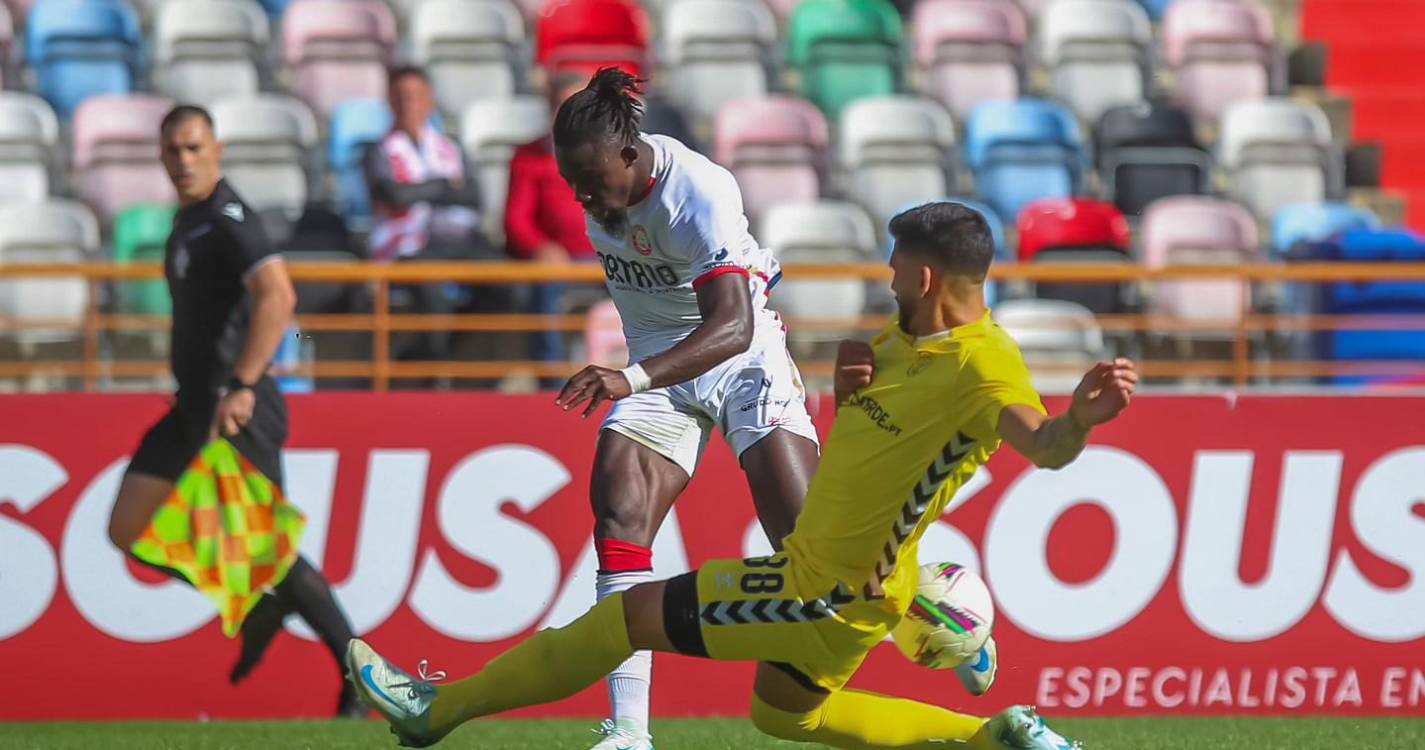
point(235, 384)
point(638, 380)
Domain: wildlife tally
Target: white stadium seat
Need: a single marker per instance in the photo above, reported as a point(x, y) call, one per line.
point(896, 150)
point(469, 49)
point(53, 231)
point(266, 139)
point(29, 132)
point(490, 131)
point(206, 50)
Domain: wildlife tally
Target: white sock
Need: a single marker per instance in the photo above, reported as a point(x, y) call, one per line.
point(629, 682)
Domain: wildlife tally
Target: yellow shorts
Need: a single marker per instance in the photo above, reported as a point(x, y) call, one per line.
point(768, 609)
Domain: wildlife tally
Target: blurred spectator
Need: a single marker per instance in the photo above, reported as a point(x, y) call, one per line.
point(424, 199)
point(543, 221)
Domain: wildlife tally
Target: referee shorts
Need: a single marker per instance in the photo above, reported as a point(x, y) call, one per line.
point(756, 610)
point(172, 443)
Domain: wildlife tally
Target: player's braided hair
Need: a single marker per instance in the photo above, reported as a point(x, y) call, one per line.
point(607, 109)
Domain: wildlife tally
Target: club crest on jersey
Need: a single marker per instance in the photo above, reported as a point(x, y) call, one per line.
point(642, 243)
point(180, 261)
point(233, 211)
point(921, 364)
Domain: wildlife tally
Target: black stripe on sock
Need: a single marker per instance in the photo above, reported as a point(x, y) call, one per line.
point(796, 674)
point(680, 615)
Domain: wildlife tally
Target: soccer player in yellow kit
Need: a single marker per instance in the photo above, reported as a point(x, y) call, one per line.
point(919, 410)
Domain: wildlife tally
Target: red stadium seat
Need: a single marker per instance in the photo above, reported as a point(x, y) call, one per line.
point(588, 34)
point(1070, 223)
point(1076, 230)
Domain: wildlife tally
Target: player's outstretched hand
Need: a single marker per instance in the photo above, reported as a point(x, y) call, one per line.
point(593, 384)
point(855, 364)
point(1104, 392)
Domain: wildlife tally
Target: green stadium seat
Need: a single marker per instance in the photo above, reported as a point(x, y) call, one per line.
point(845, 50)
point(140, 233)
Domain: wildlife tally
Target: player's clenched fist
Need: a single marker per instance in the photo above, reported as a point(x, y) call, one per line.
point(596, 385)
point(855, 364)
point(1104, 392)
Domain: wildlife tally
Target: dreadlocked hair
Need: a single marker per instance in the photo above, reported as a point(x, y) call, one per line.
point(607, 109)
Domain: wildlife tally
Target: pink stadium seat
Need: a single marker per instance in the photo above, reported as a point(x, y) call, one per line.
point(1193, 229)
point(775, 146)
point(1221, 51)
point(337, 50)
point(603, 336)
point(115, 145)
point(587, 34)
point(970, 51)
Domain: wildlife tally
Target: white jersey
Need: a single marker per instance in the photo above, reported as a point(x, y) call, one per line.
point(688, 229)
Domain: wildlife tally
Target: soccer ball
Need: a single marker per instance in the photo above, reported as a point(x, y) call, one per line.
point(949, 620)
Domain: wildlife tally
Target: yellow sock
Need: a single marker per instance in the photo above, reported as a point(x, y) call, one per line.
point(857, 720)
point(548, 666)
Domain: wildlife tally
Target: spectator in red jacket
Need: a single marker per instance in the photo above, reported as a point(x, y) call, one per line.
point(543, 221)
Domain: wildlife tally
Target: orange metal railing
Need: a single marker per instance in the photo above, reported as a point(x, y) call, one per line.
point(1245, 358)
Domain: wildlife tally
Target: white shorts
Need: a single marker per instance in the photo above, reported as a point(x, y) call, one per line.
point(745, 397)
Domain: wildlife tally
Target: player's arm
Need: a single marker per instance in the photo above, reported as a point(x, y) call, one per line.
point(725, 303)
point(1053, 442)
point(273, 302)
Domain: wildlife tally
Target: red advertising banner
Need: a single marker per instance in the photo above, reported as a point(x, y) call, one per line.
point(1207, 555)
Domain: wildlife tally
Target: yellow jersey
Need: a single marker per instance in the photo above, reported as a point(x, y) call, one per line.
point(901, 447)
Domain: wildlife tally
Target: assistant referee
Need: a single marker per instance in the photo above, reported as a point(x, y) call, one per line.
point(232, 303)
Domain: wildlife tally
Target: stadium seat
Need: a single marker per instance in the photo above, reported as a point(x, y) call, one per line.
point(266, 140)
point(1316, 222)
point(355, 124)
point(1221, 51)
point(896, 150)
point(604, 342)
point(490, 131)
point(337, 50)
point(1373, 298)
point(470, 49)
point(275, 8)
point(140, 236)
point(844, 50)
point(1022, 151)
point(775, 146)
point(969, 51)
point(1148, 151)
point(587, 34)
point(1076, 230)
point(1098, 53)
point(81, 48)
point(53, 231)
point(1277, 152)
point(1155, 8)
point(29, 133)
point(1060, 340)
point(1198, 230)
point(207, 50)
point(116, 144)
point(819, 232)
point(716, 51)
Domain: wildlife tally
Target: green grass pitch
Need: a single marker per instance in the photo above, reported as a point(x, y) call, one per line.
point(1306, 733)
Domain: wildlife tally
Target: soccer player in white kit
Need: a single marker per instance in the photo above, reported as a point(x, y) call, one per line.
point(691, 285)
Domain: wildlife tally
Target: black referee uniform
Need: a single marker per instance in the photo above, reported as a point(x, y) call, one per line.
point(215, 245)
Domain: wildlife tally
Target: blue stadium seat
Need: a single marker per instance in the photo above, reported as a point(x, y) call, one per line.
point(275, 8)
point(79, 48)
point(1373, 298)
point(1002, 253)
point(1316, 222)
point(1155, 8)
point(1022, 151)
point(354, 125)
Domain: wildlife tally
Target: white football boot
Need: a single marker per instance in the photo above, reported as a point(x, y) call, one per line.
point(402, 699)
point(1020, 727)
point(622, 735)
point(978, 674)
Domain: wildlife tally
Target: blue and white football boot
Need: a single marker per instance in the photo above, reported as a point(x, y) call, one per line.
point(1020, 727)
point(402, 699)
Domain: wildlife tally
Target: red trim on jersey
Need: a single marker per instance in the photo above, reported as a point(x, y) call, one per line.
point(637, 199)
point(622, 557)
point(710, 275)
